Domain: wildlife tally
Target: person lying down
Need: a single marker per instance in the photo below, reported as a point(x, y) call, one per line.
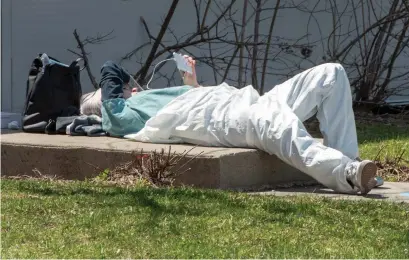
point(226, 116)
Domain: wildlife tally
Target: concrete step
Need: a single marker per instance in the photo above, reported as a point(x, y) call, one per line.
point(81, 157)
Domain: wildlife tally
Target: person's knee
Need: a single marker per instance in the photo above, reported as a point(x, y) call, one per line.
point(330, 69)
point(335, 72)
point(111, 68)
point(334, 67)
point(109, 65)
point(338, 68)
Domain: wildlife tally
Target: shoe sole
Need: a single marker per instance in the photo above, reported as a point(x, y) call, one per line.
point(367, 172)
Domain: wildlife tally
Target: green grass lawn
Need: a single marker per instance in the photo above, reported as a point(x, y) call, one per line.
point(43, 219)
point(394, 141)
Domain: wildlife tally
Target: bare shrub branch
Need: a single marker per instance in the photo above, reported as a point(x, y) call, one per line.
point(84, 55)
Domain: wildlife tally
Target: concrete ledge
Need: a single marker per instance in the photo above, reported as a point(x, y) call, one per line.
point(80, 157)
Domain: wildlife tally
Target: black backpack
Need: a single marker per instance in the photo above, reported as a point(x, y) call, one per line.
point(51, 93)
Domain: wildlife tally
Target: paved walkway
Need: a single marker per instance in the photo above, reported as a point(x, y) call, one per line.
point(392, 191)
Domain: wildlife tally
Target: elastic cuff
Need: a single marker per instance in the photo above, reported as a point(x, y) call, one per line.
point(126, 78)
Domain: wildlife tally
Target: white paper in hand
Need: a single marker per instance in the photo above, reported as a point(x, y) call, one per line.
point(181, 63)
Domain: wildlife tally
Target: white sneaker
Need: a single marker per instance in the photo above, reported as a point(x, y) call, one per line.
point(378, 180)
point(362, 175)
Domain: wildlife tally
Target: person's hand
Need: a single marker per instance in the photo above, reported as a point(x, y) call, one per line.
point(190, 79)
point(134, 91)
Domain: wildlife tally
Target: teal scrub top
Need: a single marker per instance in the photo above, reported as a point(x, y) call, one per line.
point(126, 116)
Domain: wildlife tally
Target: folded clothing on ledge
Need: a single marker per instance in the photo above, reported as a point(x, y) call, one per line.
point(86, 125)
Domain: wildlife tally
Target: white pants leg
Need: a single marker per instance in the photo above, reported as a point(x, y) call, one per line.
point(275, 124)
point(324, 90)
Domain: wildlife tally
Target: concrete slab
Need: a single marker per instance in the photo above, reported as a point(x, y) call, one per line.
point(391, 191)
point(81, 157)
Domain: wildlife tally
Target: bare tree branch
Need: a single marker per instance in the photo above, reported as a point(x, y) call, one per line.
point(368, 44)
point(380, 22)
point(242, 36)
point(255, 48)
point(270, 33)
point(392, 61)
point(84, 54)
point(142, 73)
point(205, 15)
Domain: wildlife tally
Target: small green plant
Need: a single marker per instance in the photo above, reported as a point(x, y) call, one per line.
point(103, 176)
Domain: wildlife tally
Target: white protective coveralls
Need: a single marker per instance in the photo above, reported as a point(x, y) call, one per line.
point(230, 117)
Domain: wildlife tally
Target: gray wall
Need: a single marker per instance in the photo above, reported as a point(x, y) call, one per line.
point(33, 26)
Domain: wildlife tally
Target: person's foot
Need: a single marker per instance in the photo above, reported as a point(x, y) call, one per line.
point(378, 180)
point(362, 175)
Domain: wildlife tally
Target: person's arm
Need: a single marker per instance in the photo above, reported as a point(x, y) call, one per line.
point(188, 79)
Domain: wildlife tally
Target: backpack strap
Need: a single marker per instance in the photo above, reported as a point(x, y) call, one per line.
point(76, 77)
point(51, 58)
point(35, 68)
point(75, 63)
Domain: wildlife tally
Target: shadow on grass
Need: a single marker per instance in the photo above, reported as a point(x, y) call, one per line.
point(377, 133)
point(202, 205)
point(179, 201)
point(325, 191)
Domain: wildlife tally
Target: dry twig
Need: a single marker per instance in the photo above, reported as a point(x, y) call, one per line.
point(154, 168)
point(84, 55)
